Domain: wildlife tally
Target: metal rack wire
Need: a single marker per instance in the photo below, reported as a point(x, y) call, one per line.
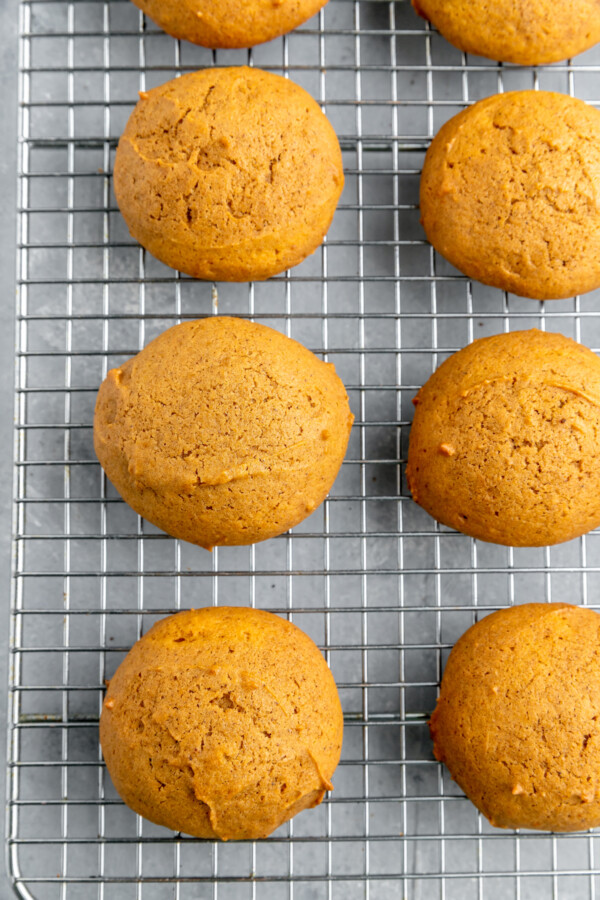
point(378, 585)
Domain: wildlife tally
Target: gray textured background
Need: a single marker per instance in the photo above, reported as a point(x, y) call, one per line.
point(8, 134)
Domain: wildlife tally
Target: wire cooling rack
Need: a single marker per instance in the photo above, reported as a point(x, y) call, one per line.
point(380, 587)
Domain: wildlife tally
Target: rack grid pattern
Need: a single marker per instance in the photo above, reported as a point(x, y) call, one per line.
point(381, 588)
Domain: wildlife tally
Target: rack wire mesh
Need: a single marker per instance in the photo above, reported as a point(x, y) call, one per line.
point(380, 587)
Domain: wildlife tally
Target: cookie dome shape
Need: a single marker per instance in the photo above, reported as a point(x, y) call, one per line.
point(510, 193)
point(228, 174)
point(538, 31)
point(517, 721)
point(505, 442)
point(222, 431)
point(222, 722)
point(229, 23)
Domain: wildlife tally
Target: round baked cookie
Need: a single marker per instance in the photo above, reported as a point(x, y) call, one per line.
point(517, 721)
point(222, 722)
point(528, 33)
point(228, 174)
point(509, 193)
point(505, 442)
point(229, 23)
point(222, 431)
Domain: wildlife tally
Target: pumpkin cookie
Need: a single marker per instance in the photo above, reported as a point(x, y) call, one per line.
point(517, 721)
point(510, 196)
point(228, 174)
point(537, 31)
point(222, 431)
point(222, 723)
point(229, 23)
point(505, 442)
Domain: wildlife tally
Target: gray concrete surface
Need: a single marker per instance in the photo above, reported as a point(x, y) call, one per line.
point(8, 158)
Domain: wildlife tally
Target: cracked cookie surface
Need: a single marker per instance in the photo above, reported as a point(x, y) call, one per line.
point(505, 442)
point(228, 174)
point(510, 193)
point(517, 721)
point(222, 431)
point(527, 33)
point(229, 23)
point(222, 723)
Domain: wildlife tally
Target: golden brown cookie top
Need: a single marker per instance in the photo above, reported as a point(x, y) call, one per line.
point(538, 31)
point(505, 442)
point(518, 717)
point(222, 722)
point(229, 23)
point(510, 193)
point(216, 400)
point(228, 174)
point(222, 431)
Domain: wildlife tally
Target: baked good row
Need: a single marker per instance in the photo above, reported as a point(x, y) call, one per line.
point(539, 31)
point(225, 722)
point(234, 175)
point(225, 432)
